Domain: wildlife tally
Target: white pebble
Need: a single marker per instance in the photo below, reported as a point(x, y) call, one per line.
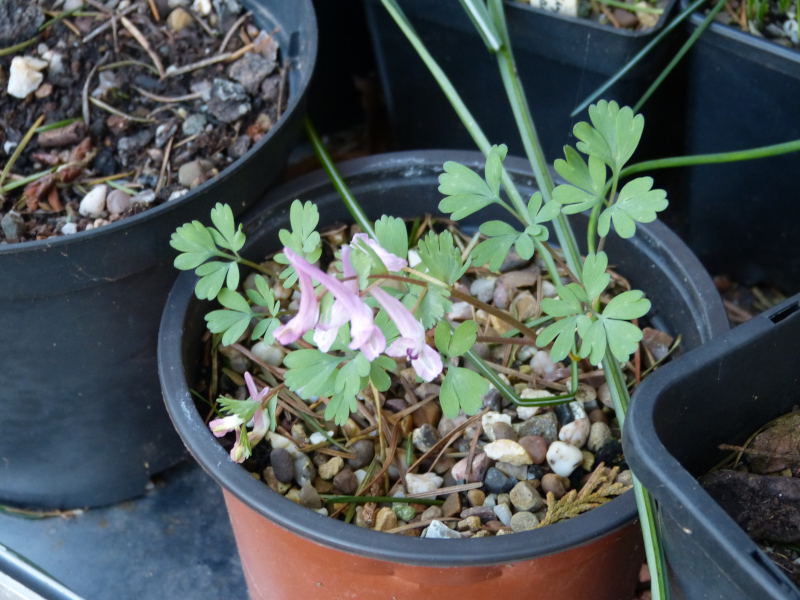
point(526, 412)
point(576, 433)
point(24, 76)
point(145, 197)
point(69, 228)
point(269, 354)
point(202, 6)
point(278, 441)
point(438, 530)
point(563, 458)
point(503, 513)
point(461, 311)
point(427, 482)
point(177, 194)
point(549, 290)
point(489, 419)
point(541, 363)
point(9, 146)
point(94, 202)
point(317, 438)
point(507, 451)
point(361, 475)
point(526, 353)
point(413, 258)
point(483, 289)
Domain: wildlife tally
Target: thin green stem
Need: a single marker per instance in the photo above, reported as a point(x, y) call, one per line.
point(634, 8)
point(61, 17)
point(26, 180)
point(635, 60)
point(336, 179)
point(378, 499)
point(653, 549)
point(18, 150)
point(680, 54)
point(712, 159)
point(505, 389)
point(591, 231)
point(18, 47)
point(549, 263)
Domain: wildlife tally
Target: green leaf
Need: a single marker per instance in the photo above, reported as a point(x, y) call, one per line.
point(392, 235)
point(350, 374)
point(434, 305)
point(212, 278)
point(303, 219)
point(195, 243)
point(615, 135)
point(466, 191)
point(442, 336)
point(441, 258)
point(524, 246)
point(549, 212)
point(340, 407)
point(595, 278)
point(311, 372)
point(462, 389)
point(623, 338)
point(244, 409)
point(494, 167)
point(568, 304)
point(497, 228)
point(230, 322)
point(464, 337)
point(593, 341)
point(378, 376)
point(493, 251)
point(536, 232)
point(636, 202)
point(228, 238)
point(563, 332)
point(591, 178)
point(575, 200)
point(627, 306)
point(266, 329)
point(234, 300)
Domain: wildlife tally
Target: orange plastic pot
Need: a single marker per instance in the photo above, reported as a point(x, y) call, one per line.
point(289, 552)
point(267, 551)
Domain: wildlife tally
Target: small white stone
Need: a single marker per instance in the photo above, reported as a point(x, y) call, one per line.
point(317, 438)
point(177, 194)
point(323, 511)
point(24, 76)
point(541, 363)
point(564, 7)
point(461, 311)
point(361, 475)
point(508, 451)
point(202, 7)
point(94, 202)
point(9, 146)
point(72, 4)
point(55, 63)
point(144, 197)
point(526, 412)
point(438, 530)
point(269, 354)
point(41, 49)
point(576, 433)
point(483, 289)
point(69, 228)
point(563, 458)
point(489, 419)
point(585, 393)
point(413, 258)
point(549, 290)
point(278, 441)
point(419, 484)
point(503, 513)
point(526, 353)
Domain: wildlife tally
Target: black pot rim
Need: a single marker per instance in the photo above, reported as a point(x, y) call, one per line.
point(335, 534)
point(296, 102)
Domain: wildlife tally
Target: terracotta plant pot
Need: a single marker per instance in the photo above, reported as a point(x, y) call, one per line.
point(288, 551)
point(82, 423)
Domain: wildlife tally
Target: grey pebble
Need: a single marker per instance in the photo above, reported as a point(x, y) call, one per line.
point(13, 226)
point(228, 101)
point(544, 425)
point(304, 471)
point(282, 464)
point(523, 521)
point(193, 125)
point(364, 451)
point(250, 71)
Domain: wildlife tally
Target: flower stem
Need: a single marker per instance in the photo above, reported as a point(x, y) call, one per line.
point(336, 179)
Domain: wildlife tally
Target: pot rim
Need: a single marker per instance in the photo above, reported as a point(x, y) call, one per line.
point(338, 535)
point(295, 103)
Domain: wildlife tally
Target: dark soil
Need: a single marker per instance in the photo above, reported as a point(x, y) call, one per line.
point(151, 134)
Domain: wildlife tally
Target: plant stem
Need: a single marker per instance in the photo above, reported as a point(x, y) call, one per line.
point(635, 60)
point(336, 179)
point(530, 138)
point(680, 54)
point(19, 149)
point(18, 47)
point(494, 378)
point(713, 159)
point(634, 8)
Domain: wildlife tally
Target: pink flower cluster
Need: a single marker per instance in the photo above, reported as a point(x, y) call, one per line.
point(349, 307)
point(221, 426)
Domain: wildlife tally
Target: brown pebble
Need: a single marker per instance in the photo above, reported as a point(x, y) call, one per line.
point(385, 520)
point(551, 483)
point(64, 136)
point(432, 512)
point(494, 526)
point(476, 497)
point(535, 446)
point(345, 481)
point(504, 431)
point(451, 506)
point(625, 18)
point(597, 416)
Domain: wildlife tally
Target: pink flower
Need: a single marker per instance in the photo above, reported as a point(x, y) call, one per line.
point(220, 427)
point(391, 261)
point(366, 336)
point(426, 361)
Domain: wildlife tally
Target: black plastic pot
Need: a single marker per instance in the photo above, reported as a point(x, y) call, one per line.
point(743, 217)
point(405, 184)
point(83, 423)
point(718, 394)
point(560, 61)
point(21, 579)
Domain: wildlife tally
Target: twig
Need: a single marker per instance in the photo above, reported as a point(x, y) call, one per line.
point(173, 71)
point(157, 98)
point(445, 441)
point(241, 52)
point(762, 453)
point(202, 24)
point(164, 164)
point(107, 24)
point(119, 113)
point(86, 84)
point(464, 487)
point(232, 30)
point(144, 44)
point(191, 138)
point(496, 339)
point(61, 17)
point(99, 6)
point(18, 47)
point(127, 63)
point(19, 149)
point(282, 87)
point(419, 524)
point(154, 10)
